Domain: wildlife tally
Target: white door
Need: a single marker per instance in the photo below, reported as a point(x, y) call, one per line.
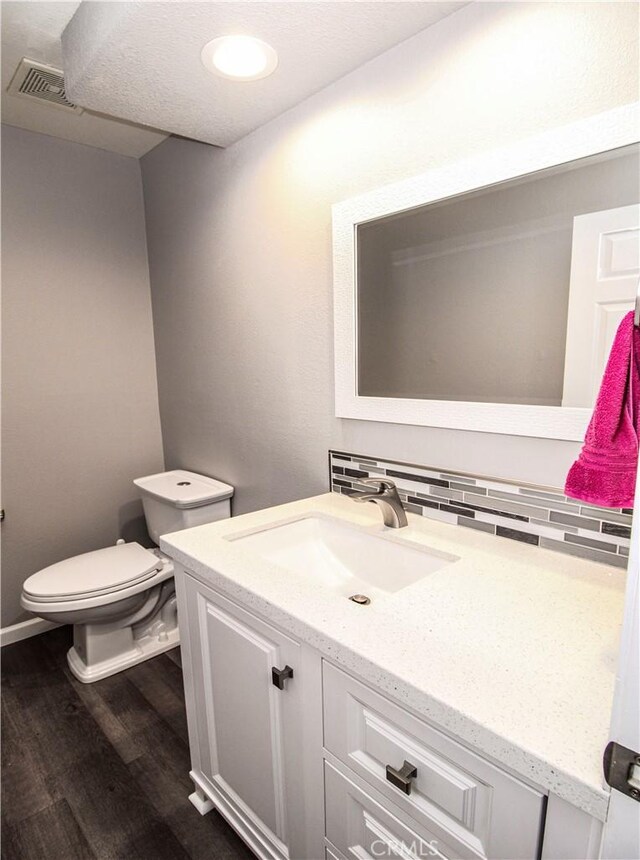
point(622, 830)
point(605, 264)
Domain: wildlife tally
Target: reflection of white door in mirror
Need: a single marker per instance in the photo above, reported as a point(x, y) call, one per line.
point(605, 265)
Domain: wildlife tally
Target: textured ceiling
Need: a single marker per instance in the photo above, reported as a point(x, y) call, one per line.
point(33, 30)
point(141, 60)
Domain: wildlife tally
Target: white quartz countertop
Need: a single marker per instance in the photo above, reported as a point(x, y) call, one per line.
point(512, 649)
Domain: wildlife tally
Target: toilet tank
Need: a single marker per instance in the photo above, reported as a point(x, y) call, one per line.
point(179, 500)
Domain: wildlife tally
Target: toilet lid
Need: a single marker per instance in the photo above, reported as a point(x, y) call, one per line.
point(93, 573)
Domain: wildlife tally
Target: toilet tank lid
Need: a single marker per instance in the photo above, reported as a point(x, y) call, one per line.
point(184, 489)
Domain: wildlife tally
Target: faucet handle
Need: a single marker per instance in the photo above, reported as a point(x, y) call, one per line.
point(382, 483)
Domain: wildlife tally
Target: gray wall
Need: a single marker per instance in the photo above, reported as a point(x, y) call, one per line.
point(79, 406)
point(240, 239)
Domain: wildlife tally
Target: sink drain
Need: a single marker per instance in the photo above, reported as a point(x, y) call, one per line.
point(362, 599)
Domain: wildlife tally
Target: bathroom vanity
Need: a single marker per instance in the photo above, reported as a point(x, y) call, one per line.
point(462, 713)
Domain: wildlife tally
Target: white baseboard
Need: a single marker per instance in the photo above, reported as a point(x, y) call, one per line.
point(24, 630)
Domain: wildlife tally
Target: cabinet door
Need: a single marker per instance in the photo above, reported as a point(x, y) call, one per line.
point(249, 734)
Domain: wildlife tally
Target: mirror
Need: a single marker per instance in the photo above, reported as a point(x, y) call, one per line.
point(469, 298)
point(485, 294)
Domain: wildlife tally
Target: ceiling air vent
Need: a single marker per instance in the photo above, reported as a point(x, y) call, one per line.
point(36, 81)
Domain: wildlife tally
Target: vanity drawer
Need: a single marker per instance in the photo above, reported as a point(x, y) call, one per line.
point(455, 794)
point(331, 852)
point(362, 827)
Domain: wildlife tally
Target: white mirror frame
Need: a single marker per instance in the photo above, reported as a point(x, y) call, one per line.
point(600, 133)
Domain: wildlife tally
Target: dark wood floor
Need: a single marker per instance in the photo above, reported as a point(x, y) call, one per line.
point(99, 770)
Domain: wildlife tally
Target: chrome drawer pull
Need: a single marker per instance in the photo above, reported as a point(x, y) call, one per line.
point(402, 778)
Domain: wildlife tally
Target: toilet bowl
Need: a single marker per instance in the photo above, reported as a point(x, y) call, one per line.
point(121, 599)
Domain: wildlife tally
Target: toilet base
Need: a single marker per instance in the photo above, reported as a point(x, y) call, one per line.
point(143, 650)
point(105, 648)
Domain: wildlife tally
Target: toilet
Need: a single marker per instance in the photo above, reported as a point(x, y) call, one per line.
point(121, 600)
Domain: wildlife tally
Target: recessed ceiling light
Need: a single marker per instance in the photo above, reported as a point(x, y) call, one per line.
point(242, 58)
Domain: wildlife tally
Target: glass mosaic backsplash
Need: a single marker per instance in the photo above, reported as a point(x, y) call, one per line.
point(540, 516)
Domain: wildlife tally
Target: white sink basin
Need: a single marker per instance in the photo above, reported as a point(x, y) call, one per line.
point(344, 558)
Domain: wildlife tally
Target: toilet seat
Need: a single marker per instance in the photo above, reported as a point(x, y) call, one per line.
point(94, 574)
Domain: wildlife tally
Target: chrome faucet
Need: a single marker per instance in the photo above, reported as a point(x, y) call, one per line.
point(386, 496)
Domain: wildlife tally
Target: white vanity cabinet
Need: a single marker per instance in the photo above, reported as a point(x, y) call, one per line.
point(456, 800)
point(326, 766)
point(245, 686)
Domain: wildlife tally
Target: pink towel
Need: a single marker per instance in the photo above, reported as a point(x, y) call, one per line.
point(605, 472)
